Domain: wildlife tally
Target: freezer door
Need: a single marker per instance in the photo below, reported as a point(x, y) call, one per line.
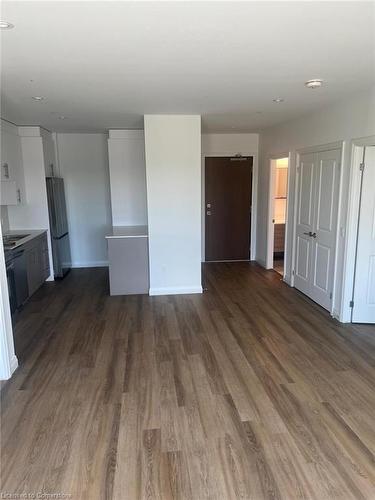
point(61, 256)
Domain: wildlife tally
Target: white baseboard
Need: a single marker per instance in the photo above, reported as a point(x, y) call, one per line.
point(336, 314)
point(180, 290)
point(287, 280)
point(13, 364)
point(96, 263)
point(262, 263)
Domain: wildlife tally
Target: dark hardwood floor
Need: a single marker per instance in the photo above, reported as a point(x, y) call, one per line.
point(247, 391)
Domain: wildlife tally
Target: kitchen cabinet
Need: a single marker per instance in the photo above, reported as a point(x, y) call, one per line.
point(8, 193)
point(12, 177)
point(128, 260)
point(37, 262)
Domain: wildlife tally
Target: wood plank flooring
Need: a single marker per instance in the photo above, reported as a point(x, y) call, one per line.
point(247, 391)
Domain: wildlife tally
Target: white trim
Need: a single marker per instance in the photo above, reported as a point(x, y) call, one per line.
point(270, 210)
point(320, 148)
point(9, 128)
point(295, 159)
point(132, 134)
point(271, 202)
point(13, 363)
point(180, 290)
point(95, 263)
point(29, 131)
point(8, 359)
point(358, 146)
point(254, 198)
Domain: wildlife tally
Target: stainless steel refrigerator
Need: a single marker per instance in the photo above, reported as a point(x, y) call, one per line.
point(58, 226)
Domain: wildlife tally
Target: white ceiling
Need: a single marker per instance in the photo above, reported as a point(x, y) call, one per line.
point(105, 64)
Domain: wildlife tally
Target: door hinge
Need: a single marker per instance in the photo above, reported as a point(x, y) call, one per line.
point(293, 272)
point(361, 167)
point(351, 303)
point(330, 296)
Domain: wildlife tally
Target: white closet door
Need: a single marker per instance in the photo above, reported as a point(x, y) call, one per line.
point(305, 222)
point(317, 208)
point(327, 181)
point(364, 287)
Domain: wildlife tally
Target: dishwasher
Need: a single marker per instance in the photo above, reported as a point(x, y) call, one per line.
point(20, 277)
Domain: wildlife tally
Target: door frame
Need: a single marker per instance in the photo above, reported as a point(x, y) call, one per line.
point(318, 149)
point(254, 198)
point(271, 204)
point(357, 150)
point(8, 358)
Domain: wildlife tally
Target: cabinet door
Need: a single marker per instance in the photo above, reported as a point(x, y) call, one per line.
point(305, 222)
point(34, 268)
point(8, 193)
point(11, 162)
point(325, 226)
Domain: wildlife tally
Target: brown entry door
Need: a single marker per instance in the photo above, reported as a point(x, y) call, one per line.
point(228, 208)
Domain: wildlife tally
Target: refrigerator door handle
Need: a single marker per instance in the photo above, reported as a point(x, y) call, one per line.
point(59, 237)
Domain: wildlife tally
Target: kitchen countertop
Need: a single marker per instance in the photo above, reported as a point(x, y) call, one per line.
point(128, 232)
point(31, 234)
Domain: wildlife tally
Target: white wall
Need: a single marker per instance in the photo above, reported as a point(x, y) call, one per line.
point(49, 153)
point(32, 213)
point(83, 164)
point(228, 145)
point(343, 121)
point(127, 172)
point(173, 171)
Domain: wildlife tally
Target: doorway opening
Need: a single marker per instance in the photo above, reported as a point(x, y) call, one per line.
point(277, 214)
point(228, 194)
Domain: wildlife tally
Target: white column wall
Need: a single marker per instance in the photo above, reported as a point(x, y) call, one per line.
point(173, 172)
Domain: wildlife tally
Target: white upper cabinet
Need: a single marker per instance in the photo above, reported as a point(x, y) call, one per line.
point(12, 174)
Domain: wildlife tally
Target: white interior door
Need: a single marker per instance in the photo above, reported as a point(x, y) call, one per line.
point(317, 210)
point(364, 285)
point(327, 183)
point(305, 222)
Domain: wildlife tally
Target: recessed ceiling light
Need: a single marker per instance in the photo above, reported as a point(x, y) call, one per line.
point(314, 84)
point(61, 117)
point(278, 99)
point(38, 98)
point(4, 25)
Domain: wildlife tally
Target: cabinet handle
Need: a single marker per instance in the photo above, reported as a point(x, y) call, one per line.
point(6, 170)
point(19, 195)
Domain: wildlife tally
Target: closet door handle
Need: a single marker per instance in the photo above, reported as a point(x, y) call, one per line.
point(311, 234)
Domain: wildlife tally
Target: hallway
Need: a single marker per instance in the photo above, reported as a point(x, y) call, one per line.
point(247, 391)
